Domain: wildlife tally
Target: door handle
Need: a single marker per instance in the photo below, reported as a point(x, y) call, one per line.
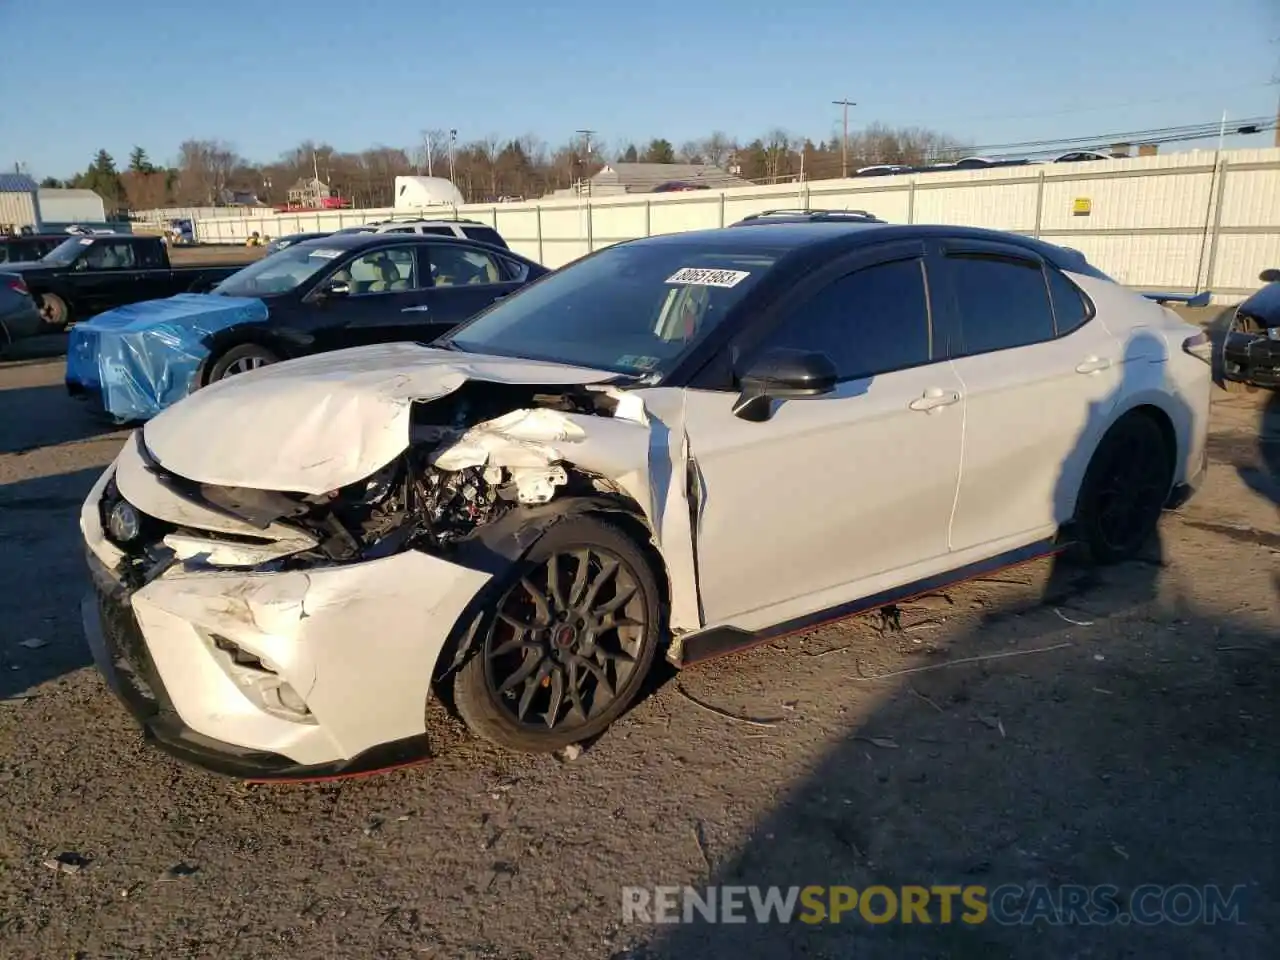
point(934, 398)
point(418, 309)
point(1093, 364)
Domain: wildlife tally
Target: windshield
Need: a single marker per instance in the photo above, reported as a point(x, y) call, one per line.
point(67, 251)
point(280, 272)
point(634, 309)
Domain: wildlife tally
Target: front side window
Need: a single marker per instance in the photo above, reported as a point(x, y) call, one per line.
point(872, 321)
point(110, 256)
point(1003, 302)
point(381, 271)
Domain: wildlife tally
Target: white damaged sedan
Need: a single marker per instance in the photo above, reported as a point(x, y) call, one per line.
point(674, 447)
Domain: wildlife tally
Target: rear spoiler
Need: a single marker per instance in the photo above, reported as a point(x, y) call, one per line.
point(1186, 299)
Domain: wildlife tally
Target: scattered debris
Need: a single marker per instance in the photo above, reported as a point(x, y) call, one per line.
point(1230, 649)
point(372, 826)
point(1078, 623)
point(825, 653)
point(16, 701)
point(925, 624)
point(994, 723)
point(570, 753)
point(1120, 850)
point(1101, 690)
point(961, 661)
point(916, 693)
point(33, 643)
point(67, 862)
point(884, 743)
point(700, 838)
point(1099, 657)
point(179, 871)
point(765, 722)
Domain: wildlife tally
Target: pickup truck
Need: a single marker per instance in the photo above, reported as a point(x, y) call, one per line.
point(83, 276)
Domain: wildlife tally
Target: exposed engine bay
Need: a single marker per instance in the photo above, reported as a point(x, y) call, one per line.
point(435, 493)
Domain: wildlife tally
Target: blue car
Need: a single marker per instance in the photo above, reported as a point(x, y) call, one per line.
point(316, 295)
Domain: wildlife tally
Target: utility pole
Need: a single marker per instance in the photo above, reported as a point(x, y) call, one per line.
point(844, 140)
point(586, 136)
point(453, 138)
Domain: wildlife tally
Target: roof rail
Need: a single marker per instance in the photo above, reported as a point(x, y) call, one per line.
point(861, 216)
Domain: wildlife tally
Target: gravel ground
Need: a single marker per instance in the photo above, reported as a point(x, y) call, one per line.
point(1134, 741)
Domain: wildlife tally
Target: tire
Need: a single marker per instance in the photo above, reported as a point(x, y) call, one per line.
point(1125, 489)
point(535, 641)
point(240, 359)
point(54, 311)
point(1235, 386)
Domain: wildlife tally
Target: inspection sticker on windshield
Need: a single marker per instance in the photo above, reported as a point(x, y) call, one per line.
point(324, 253)
point(707, 277)
point(85, 241)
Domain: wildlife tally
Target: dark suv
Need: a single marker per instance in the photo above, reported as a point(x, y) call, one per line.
point(27, 247)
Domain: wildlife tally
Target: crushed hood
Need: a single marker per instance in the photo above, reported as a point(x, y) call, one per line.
point(199, 309)
point(319, 423)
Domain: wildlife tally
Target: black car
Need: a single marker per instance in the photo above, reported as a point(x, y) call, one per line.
point(84, 275)
point(280, 243)
point(343, 290)
point(1251, 349)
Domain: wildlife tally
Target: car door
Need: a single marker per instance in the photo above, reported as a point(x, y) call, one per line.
point(464, 280)
point(1037, 388)
point(106, 276)
point(836, 496)
point(382, 285)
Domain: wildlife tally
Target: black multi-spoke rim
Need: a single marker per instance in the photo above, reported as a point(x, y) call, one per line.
point(566, 639)
point(1132, 493)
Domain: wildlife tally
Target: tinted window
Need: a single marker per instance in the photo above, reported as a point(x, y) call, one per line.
point(111, 256)
point(149, 255)
point(869, 322)
point(400, 230)
point(1003, 302)
point(1070, 309)
point(439, 231)
point(484, 235)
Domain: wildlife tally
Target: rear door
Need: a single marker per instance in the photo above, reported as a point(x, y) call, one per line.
point(464, 281)
point(1040, 378)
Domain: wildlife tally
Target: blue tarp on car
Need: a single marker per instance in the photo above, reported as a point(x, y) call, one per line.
point(141, 358)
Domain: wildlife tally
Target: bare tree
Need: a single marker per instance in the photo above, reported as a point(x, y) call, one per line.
point(432, 151)
point(716, 149)
point(690, 152)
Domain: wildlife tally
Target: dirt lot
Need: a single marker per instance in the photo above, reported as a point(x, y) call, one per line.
point(1133, 740)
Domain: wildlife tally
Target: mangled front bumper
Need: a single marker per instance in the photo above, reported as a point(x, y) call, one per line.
point(273, 675)
point(1252, 358)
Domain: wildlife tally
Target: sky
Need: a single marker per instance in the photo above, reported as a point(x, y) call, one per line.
point(266, 75)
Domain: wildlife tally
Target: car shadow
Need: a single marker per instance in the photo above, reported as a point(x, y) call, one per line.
point(44, 416)
point(43, 562)
point(1090, 726)
point(1263, 478)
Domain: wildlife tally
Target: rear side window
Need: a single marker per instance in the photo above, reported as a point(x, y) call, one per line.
point(1003, 302)
point(439, 231)
point(1070, 309)
point(485, 235)
point(874, 320)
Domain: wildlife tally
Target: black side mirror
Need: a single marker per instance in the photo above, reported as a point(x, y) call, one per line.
point(1270, 275)
point(782, 374)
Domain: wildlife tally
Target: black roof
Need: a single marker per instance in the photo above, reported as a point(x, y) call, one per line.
point(830, 237)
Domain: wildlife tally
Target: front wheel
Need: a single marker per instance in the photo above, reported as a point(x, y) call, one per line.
point(241, 359)
point(1125, 488)
point(570, 641)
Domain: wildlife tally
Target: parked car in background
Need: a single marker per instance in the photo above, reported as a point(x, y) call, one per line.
point(83, 276)
point(1251, 348)
point(19, 317)
point(467, 229)
point(25, 248)
point(313, 296)
point(279, 243)
point(677, 446)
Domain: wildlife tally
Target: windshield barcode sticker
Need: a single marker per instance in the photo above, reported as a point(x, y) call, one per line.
point(324, 253)
point(707, 277)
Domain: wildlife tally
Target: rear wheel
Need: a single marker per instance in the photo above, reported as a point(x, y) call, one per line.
point(1125, 489)
point(241, 359)
point(54, 311)
point(571, 639)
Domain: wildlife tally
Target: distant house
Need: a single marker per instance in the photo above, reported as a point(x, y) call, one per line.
point(309, 192)
point(625, 178)
point(240, 198)
point(18, 204)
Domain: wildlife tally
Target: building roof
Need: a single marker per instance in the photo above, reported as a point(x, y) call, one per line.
point(17, 183)
point(643, 177)
point(67, 193)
